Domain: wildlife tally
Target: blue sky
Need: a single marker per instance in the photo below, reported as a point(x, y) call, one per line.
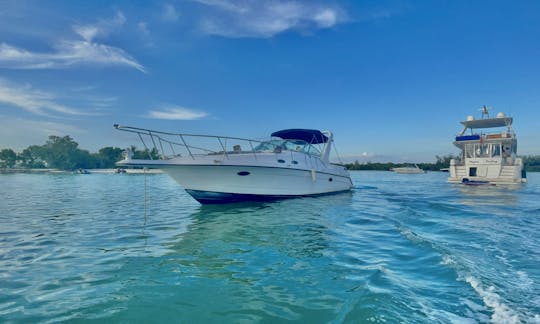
point(391, 79)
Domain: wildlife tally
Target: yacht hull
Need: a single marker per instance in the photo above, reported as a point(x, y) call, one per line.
point(482, 173)
point(229, 183)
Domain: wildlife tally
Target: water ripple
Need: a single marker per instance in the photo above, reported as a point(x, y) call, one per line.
point(397, 248)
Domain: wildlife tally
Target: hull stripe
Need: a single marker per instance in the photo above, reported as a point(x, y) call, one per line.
point(211, 197)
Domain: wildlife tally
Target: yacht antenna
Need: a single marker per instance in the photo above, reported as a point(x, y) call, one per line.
point(485, 111)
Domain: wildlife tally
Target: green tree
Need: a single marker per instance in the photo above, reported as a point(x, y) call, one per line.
point(85, 160)
point(32, 157)
point(8, 158)
point(108, 156)
point(62, 153)
point(532, 163)
point(145, 154)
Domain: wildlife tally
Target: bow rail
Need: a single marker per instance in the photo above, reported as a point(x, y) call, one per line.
point(168, 145)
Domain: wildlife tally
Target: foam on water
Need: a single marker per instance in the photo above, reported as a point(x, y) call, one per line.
point(502, 313)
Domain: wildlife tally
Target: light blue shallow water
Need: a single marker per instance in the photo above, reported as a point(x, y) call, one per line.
point(398, 248)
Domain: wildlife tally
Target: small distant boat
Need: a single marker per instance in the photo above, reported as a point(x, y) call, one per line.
point(82, 171)
point(409, 169)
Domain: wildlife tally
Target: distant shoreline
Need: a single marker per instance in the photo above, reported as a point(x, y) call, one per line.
point(90, 171)
point(113, 171)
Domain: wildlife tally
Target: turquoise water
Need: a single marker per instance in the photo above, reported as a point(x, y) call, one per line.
point(398, 248)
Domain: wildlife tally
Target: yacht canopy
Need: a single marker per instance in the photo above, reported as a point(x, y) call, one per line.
point(488, 122)
point(311, 136)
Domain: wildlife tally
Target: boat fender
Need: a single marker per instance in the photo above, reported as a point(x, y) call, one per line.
point(313, 175)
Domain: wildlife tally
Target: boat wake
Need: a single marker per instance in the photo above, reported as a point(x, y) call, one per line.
point(502, 313)
point(501, 289)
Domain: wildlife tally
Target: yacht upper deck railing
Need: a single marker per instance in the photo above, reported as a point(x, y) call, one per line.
point(168, 145)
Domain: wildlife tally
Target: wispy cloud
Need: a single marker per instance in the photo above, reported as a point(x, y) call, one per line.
point(176, 113)
point(169, 13)
point(266, 18)
point(33, 100)
point(144, 33)
point(72, 52)
point(100, 29)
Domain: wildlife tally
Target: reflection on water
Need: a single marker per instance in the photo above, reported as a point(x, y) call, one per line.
point(499, 195)
point(301, 230)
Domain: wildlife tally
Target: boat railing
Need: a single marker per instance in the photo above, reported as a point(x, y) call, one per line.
point(486, 136)
point(167, 145)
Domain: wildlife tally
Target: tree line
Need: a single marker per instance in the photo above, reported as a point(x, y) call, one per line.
point(63, 153)
point(531, 163)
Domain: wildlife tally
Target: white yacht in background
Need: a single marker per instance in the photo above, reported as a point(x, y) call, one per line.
point(409, 169)
point(487, 157)
point(295, 162)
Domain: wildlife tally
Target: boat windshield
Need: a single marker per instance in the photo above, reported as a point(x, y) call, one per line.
point(487, 150)
point(277, 146)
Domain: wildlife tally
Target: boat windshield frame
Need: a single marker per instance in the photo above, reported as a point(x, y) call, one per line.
point(279, 145)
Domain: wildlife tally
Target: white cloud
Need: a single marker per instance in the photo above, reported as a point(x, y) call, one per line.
point(72, 52)
point(143, 28)
point(144, 33)
point(264, 19)
point(176, 113)
point(101, 29)
point(32, 100)
point(169, 13)
point(326, 18)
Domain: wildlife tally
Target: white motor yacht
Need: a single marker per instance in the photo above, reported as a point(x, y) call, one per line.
point(221, 169)
point(487, 157)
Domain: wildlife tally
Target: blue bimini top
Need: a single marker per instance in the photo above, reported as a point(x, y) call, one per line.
point(311, 136)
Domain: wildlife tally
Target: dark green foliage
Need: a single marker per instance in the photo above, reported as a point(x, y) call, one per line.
point(144, 154)
point(32, 157)
point(108, 156)
point(441, 163)
point(532, 163)
point(63, 153)
point(8, 158)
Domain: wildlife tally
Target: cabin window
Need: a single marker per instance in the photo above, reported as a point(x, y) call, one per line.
point(472, 172)
point(469, 150)
point(330, 179)
point(278, 146)
point(294, 162)
point(281, 161)
point(243, 173)
point(496, 149)
point(482, 150)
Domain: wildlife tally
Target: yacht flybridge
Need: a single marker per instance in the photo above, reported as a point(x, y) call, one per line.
point(487, 157)
point(221, 169)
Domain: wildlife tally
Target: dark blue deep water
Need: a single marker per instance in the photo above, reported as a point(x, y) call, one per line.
point(398, 248)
